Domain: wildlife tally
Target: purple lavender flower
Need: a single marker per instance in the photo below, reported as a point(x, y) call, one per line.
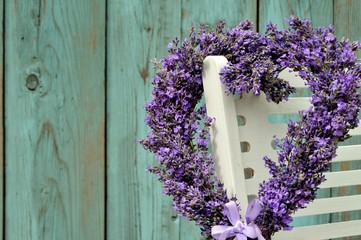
point(179, 133)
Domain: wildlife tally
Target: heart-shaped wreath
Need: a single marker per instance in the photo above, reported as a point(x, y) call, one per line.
point(179, 126)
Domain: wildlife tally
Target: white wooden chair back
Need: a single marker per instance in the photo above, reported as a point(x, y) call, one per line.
point(238, 152)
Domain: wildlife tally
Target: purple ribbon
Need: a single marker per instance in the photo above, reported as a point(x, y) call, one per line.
point(240, 229)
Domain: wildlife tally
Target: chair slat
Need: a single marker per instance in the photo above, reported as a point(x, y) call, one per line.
point(331, 205)
point(268, 131)
point(254, 159)
point(343, 178)
point(344, 153)
point(334, 179)
point(250, 103)
point(348, 153)
point(225, 144)
point(356, 131)
point(322, 232)
point(292, 77)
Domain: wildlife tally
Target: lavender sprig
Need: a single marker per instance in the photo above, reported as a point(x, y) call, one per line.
point(179, 134)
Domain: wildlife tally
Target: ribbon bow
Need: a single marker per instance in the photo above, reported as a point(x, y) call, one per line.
point(240, 229)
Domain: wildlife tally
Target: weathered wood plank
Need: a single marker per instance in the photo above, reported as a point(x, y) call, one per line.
point(206, 12)
point(137, 33)
point(2, 184)
point(54, 97)
point(347, 21)
point(321, 14)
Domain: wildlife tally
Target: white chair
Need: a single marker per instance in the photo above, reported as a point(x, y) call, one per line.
point(238, 152)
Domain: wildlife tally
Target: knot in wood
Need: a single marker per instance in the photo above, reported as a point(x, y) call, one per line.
point(32, 82)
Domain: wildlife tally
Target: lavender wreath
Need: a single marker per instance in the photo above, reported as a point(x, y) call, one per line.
point(179, 126)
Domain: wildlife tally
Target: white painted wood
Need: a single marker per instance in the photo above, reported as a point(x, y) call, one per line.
point(322, 232)
point(340, 179)
point(293, 78)
point(334, 179)
point(248, 103)
point(348, 153)
point(258, 132)
point(331, 205)
point(246, 133)
point(224, 137)
point(356, 131)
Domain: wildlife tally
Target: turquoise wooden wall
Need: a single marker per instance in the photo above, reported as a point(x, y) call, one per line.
point(75, 75)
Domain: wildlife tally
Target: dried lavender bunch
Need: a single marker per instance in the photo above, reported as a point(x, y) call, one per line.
point(179, 127)
point(330, 70)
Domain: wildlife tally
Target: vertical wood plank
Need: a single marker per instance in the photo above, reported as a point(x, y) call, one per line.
point(2, 183)
point(321, 14)
point(347, 21)
point(54, 96)
point(207, 12)
point(138, 31)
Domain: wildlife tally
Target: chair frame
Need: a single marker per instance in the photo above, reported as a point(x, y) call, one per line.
point(226, 137)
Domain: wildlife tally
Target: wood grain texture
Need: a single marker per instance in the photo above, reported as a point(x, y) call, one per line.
point(320, 12)
point(54, 96)
point(138, 31)
point(1, 121)
point(209, 12)
point(347, 22)
point(55, 119)
point(347, 19)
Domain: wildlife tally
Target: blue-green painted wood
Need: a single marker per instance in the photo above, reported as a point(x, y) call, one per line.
point(138, 31)
point(347, 21)
point(276, 11)
point(320, 12)
point(54, 97)
point(148, 216)
point(1, 121)
point(55, 129)
point(208, 13)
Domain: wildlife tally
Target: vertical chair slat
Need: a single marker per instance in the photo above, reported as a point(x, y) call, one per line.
point(225, 143)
